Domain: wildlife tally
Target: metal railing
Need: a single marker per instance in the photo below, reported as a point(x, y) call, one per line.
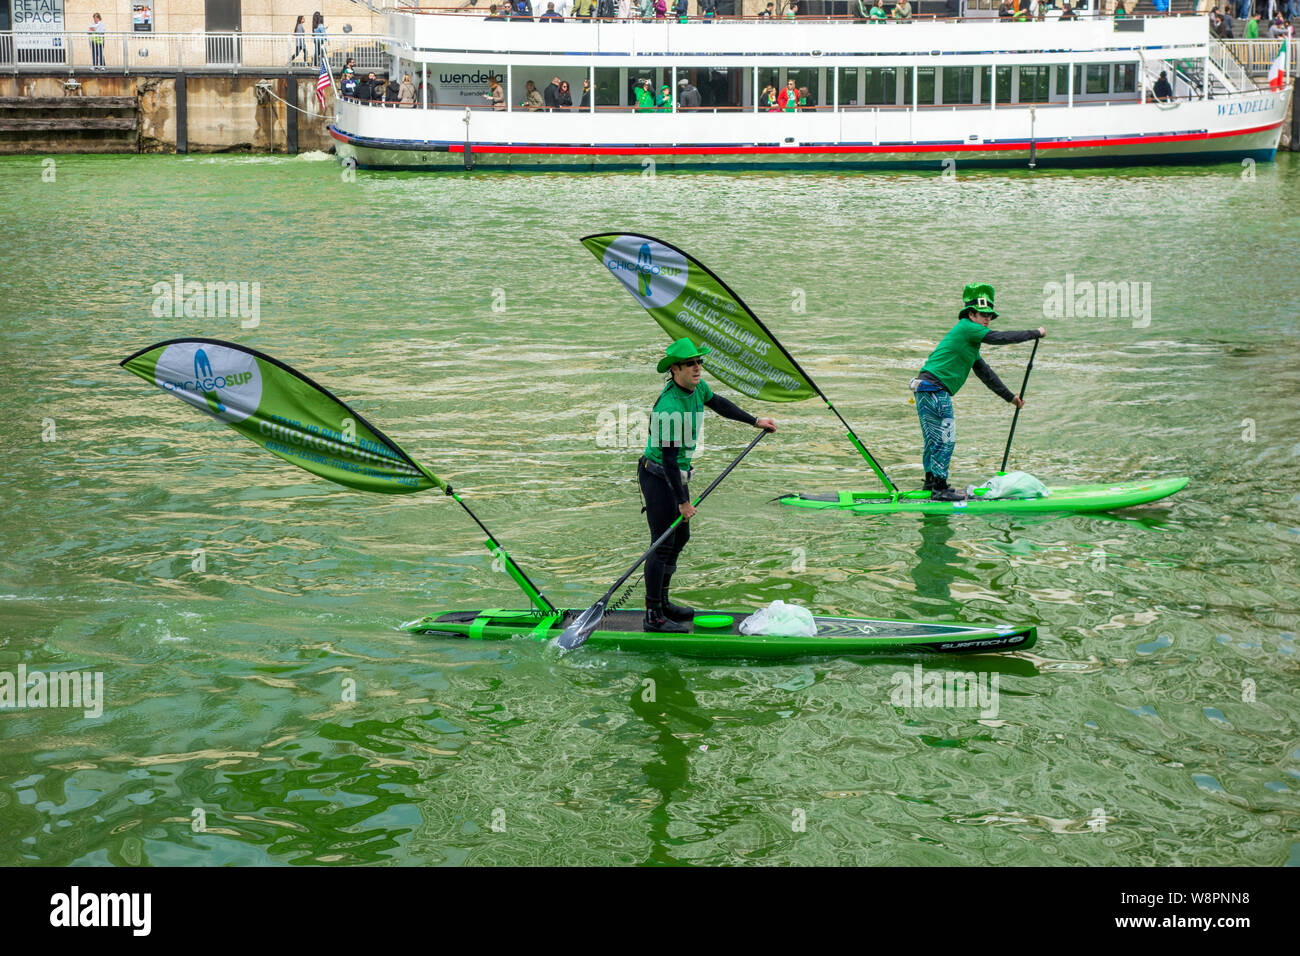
point(1222, 56)
point(1256, 56)
point(191, 52)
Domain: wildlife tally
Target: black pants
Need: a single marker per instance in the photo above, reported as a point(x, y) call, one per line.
point(660, 511)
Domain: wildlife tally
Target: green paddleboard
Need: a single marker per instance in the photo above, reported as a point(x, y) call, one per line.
point(836, 636)
point(1076, 498)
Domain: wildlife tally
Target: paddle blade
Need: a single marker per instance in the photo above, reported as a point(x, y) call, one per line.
point(686, 299)
point(282, 410)
point(576, 634)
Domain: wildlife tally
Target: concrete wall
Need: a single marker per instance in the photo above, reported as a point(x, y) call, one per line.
point(223, 113)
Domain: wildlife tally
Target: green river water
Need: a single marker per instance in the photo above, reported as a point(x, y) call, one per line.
point(1154, 723)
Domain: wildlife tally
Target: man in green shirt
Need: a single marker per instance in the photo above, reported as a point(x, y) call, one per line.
point(665, 468)
point(1252, 28)
point(945, 372)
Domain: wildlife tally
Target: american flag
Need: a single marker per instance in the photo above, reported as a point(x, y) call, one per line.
point(323, 82)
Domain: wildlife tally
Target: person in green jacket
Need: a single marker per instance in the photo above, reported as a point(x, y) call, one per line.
point(1252, 28)
point(878, 12)
point(645, 103)
point(664, 470)
point(945, 372)
point(664, 101)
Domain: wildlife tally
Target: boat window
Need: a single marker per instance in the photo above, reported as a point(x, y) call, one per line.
point(1098, 79)
point(958, 85)
point(1125, 78)
point(719, 89)
point(1063, 80)
point(806, 78)
point(1033, 84)
point(881, 86)
point(1004, 85)
point(848, 86)
point(607, 87)
point(924, 86)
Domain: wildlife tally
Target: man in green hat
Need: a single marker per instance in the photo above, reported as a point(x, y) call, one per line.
point(665, 469)
point(945, 372)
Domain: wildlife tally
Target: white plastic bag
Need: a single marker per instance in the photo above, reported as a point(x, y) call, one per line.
point(1015, 484)
point(779, 619)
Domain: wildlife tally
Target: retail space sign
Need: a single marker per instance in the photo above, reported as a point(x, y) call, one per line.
point(38, 24)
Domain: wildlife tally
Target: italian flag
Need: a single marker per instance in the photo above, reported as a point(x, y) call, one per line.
point(1277, 72)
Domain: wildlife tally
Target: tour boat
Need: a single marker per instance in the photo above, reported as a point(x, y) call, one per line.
point(913, 93)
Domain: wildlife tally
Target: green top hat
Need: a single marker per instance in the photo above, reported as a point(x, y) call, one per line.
point(979, 296)
point(680, 351)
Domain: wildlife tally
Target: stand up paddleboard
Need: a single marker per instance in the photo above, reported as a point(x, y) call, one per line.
point(1070, 498)
point(836, 636)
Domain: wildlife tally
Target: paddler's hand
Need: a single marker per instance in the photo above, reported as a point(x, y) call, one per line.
point(1017, 401)
point(766, 424)
point(1042, 332)
point(687, 509)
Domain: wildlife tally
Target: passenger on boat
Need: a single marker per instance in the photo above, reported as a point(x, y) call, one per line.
point(496, 93)
point(688, 97)
point(946, 371)
point(1162, 92)
point(564, 99)
point(902, 10)
point(661, 9)
point(550, 15)
point(523, 10)
point(406, 92)
point(767, 99)
point(768, 13)
point(552, 95)
point(708, 10)
point(586, 95)
point(789, 99)
point(1005, 12)
point(532, 98)
point(1067, 12)
point(664, 101)
point(645, 101)
point(877, 13)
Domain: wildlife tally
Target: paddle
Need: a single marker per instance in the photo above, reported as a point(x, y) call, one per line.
point(1028, 368)
point(687, 299)
point(576, 634)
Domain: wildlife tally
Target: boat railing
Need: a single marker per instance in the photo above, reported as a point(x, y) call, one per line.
point(189, 52)
point(1256, 56)
point(984, 14)
point(1225, 60)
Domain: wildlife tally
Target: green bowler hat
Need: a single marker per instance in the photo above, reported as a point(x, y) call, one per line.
point(979, 296)
point(680, 351)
